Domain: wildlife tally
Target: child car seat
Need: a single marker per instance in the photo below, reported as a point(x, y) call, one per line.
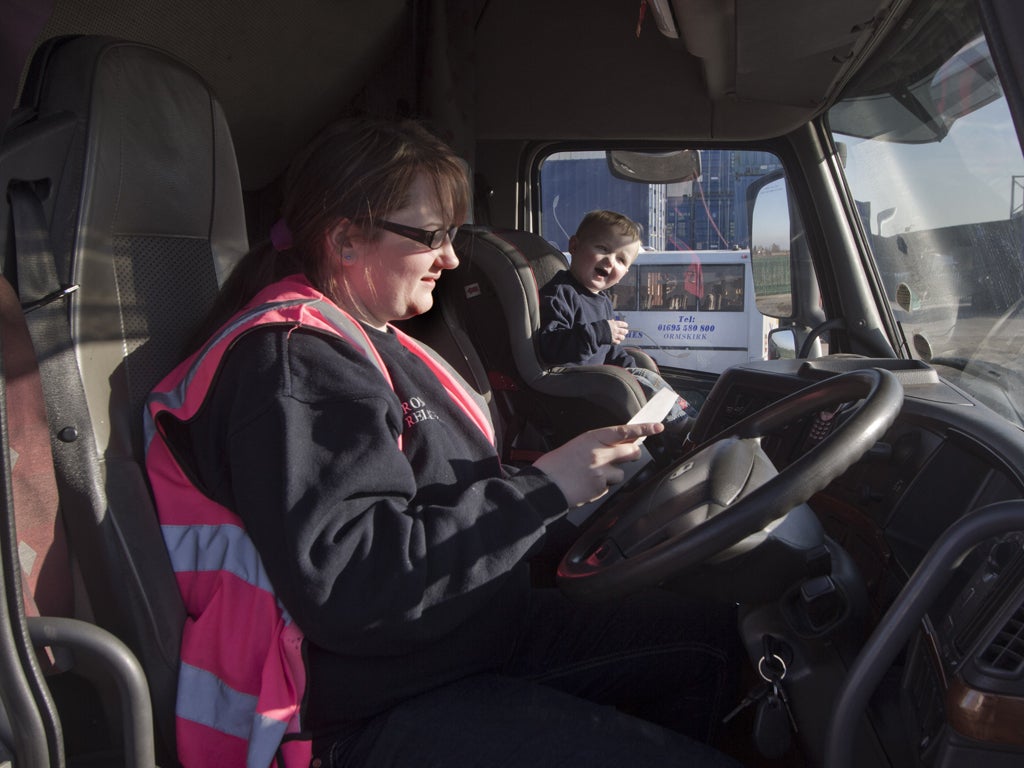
point(494, 297)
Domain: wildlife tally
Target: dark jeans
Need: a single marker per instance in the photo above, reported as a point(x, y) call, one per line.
point(611, 684)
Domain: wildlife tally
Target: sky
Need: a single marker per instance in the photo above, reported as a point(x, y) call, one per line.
point(968, 177)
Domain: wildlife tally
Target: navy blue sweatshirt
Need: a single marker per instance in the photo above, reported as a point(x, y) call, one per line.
point(405, 569)
point(574, 325)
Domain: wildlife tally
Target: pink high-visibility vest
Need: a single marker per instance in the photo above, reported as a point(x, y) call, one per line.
point(242, 676)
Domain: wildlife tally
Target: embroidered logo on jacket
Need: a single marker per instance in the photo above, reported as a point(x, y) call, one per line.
point(415, 410)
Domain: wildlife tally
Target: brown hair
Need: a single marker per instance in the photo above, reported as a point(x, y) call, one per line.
point(596, 221)
point(360, 169)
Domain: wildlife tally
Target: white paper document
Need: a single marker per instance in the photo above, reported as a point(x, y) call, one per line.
point(657, 408)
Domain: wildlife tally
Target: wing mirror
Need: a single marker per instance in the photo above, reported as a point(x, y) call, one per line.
point(781, 344)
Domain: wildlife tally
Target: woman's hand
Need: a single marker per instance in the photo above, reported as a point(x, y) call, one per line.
point(584, 467)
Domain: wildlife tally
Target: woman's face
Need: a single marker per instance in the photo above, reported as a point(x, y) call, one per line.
point(393, 277)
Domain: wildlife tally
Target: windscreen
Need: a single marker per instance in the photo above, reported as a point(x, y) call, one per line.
point(935, 168)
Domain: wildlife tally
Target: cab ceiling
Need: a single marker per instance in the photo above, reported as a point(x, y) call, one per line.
point(544, 69)
point(281, 70)
point(738, 69)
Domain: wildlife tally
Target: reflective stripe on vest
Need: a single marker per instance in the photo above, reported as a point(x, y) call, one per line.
point(240, 693)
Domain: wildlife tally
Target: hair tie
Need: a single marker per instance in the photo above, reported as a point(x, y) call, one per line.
point(281, 236)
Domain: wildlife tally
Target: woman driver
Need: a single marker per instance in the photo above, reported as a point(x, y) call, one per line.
point(352, 554)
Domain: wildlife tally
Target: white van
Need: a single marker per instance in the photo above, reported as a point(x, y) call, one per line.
point(693, 309)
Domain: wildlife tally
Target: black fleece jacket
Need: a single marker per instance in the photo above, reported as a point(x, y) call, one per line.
point(405, 569)
point(574, 325)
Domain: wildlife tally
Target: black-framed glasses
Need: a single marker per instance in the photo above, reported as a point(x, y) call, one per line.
point(432, 238)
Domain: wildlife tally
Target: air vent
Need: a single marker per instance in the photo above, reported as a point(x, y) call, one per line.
point(1004, 656)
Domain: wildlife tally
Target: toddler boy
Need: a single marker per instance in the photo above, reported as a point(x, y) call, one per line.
point(577, 324)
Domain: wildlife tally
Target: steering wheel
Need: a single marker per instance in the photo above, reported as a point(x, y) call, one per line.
point(719, 499)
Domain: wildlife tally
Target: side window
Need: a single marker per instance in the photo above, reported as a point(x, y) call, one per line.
point(713, 276)
point(625, 295)
point(675, 287)
point(706, 213)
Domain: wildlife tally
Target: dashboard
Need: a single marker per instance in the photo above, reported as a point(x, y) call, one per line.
point(958, 690)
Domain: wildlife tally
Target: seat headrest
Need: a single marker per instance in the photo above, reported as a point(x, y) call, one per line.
point(148, 134)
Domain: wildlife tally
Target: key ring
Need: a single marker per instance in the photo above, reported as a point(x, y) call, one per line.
point(761, 666)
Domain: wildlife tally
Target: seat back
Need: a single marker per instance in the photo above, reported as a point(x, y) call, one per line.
point(32, 537)
point(42, 546)
point(494, 297)
point(439, 330)
point(127, 215)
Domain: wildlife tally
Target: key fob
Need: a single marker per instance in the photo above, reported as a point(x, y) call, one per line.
point(772, 733)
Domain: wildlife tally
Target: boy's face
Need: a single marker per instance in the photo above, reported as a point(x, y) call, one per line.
point(602, 257)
